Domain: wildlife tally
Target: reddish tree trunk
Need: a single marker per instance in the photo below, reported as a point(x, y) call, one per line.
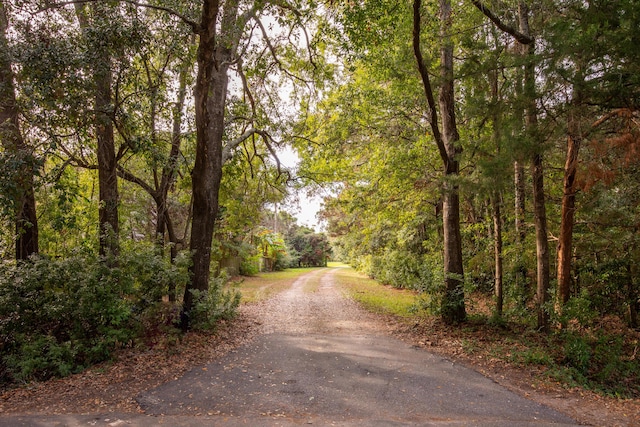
point(565, 238)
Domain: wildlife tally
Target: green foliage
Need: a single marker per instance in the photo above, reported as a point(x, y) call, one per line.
point(601, 362)
point(403, 270)
point(577, 353)
point(534, 356)
point(59, 316)
point(214, 305)
point(307, 248)
point(250, 265)
point(272, 249)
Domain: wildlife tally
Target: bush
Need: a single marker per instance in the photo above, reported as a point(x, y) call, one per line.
point(59, 316)
point(250, 266)
point(215, 305)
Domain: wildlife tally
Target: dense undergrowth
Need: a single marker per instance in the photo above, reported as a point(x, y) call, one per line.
point(597, 353)
point(60, 316)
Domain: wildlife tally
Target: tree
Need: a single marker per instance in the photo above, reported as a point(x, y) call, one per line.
point(97, 14)
point(311, 249)
point(523, 35)
point(453, 309)
point(597, 44)
point(19, 160)
point(221, 30)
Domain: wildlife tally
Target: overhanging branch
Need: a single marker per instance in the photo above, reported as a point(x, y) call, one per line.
point(522, 38)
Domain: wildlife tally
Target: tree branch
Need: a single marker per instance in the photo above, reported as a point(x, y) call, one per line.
point(267, 141)
point(273, 52)
point(128, 176)
point(424, 74)
point(226, 151)
point(522, 38)
point(194, 25)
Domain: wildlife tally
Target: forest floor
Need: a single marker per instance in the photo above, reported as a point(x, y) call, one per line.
point(117, 386)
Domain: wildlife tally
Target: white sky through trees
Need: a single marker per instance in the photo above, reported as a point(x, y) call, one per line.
point(303, 207)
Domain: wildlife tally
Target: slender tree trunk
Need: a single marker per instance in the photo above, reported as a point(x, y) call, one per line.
point(26, 221)
point(520, 200)
point(537, 172)
point(634, 303)
point(168, 173)
point(497, 251)
point(214, 57)
point(103, 122)
point(453, 308)
point(565, 239)
point(496, 197)
point(542, 244)
point(521, 279)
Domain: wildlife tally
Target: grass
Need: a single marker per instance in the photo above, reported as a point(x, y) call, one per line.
point(374, 296)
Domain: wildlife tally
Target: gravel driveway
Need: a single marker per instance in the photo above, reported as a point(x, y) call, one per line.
point(321, 360)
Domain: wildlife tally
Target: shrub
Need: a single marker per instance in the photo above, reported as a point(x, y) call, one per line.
point(215, 305)
point(577, 353)
point(58, 316)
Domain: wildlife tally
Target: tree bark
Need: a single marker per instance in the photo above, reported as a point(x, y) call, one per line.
point(537, 173)
point(214, 58)
point(634, 301)
point(567, 219)
point(453, 308)
point(497, 252)
point(496, 197)
point(25, 218)
point(103, 123)
point(452, 304)
point(520, 200)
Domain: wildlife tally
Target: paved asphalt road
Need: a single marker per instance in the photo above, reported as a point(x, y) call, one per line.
point(320, 362)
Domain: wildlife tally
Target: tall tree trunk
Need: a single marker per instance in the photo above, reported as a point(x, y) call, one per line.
point(453, 308)
point(169, 171)
point(26, 221)
point(537, 172)
point(567, 219)
point(103, 122)
point(214, 57)
point(452, 304)
point(520, 200)
point(521, 274)
point(496, 197)
point(633, 297)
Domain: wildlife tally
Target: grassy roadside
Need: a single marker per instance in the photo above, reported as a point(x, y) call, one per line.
point(374, 296)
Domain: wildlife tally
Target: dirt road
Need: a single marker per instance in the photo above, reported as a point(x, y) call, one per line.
point(320, 360)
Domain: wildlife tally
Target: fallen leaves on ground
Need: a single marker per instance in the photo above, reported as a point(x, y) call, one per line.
point(113, 386)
